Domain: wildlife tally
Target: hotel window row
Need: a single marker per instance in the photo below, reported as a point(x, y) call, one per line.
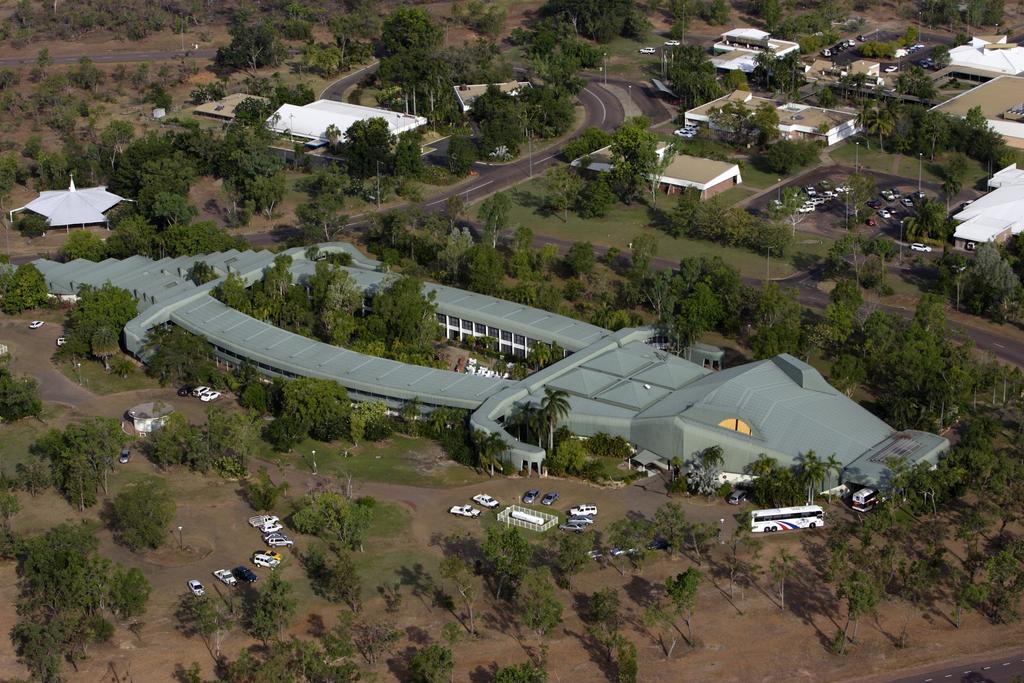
point(460, 329)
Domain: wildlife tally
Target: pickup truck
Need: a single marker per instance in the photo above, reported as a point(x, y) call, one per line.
point(464, 511)
point(260, 520)
point(226, 577)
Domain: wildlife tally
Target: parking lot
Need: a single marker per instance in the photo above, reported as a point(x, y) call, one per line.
point(929, 40)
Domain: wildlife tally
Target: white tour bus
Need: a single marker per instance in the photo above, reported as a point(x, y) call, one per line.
point(786, 519)
point(864, 500)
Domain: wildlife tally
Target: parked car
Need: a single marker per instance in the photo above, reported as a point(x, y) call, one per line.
point(271, 527)
point(464, 511)
point(594, 554)
point(736, 496)
point(185, 391)
point(647, 50)
point(126, 455)
point(531, 496)
point(672, 43)
point(619, 552)
point(35, 324)
point(261, 559)
point(485, 500)
point(917, 246)
point(907, 201)
point(243, 573)
point(226, 577)
point(658, 544)
point(196, 588)
point(810, 191)
point(199, 391)
point(61, 341)
point(892, 68)
point(260, 520)
point(583, 511)
point(209, 396)
point(582, 520)
point(887, 195)
point(549, 498)
point(575, 527)
point(870, 220)
point(884, 213)
point(278, 541)
point(896, 192)
point(874, 203)
point(825, 185)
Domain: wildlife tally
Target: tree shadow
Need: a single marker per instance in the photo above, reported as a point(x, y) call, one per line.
point(398, 663)
point(640, 590)
point(417, 635)
point(596, 652)
point(483, 674)
point(315, 626)
point(419, 581)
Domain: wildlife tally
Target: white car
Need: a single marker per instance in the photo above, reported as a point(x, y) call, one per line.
point(209, 396)
point(464, 511)
point(196, 588)
point(271, 528)
point(485, 500)
point(199, 391)
point(583, 511)
point(891, 69)
point(265, 560)
point(647, 50)
point(61, 341)
point(917, 246)
point(279, 541)
point(919, 46)
point(226, 577)
point(884, 213)
point(35, 324)
point(672, 43)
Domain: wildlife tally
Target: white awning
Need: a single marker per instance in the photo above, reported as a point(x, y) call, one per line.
point(73, 206)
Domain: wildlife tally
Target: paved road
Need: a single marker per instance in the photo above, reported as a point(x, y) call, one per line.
point(30, 355)
point(1000, 670)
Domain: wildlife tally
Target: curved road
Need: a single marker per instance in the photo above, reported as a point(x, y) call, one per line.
point(1005, 669)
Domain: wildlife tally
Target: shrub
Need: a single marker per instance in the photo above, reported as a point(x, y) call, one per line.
point(143, 513)
point(785, 156)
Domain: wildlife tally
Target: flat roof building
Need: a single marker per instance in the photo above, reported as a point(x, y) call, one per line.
point(312, 120)
point(1001, 101)
point(224, 109)
point(620, 383)
point(707, 176)
point(796, 121)
point(465, 94)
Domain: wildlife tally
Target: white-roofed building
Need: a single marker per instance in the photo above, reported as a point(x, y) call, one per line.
point(707, 176)
point(312, 120)
point(995, 216)
point(73, 206)
point(466, 94)
point(736, 49)
point(988, 55)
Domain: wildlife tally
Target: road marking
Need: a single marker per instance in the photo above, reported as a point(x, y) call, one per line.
point(1002, 347)
point(604, 112)
point(1006, 664)
point(948, 676)
point(985, 668)
point(540, 161)
point(462, 192)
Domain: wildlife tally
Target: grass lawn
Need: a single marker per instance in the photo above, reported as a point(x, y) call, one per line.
point(736, 194)
point(398, 460)
point(623, 223)
point(18, 436)
point(902, 164)
point(92, 376)
point(756, 178)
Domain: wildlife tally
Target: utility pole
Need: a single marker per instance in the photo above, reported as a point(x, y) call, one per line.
point(919, 160)
point(901, 240)
point(604, 66)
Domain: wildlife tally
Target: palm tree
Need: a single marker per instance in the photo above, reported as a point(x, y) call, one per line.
point(554, 408)
point(813, 472)
point(489, 446)
point(540, 356)
point(104, 344)
point(712, 457)
point(763, 466)
point(832, 464)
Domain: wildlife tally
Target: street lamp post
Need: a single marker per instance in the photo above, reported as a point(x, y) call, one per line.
point(920, 158)
point(779, 181)
point(604, 66)
point(856, 163)
point(721, 530)
point(901, 240)
point(181, 543)
point(314, 461)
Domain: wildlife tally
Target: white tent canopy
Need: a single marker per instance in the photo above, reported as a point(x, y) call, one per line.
point(72, 206)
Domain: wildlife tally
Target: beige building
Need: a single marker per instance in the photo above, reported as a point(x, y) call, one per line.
point(796, 121)
point(707, 176)
point(465, 94)
point(1001, 101)
point(224, 109)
